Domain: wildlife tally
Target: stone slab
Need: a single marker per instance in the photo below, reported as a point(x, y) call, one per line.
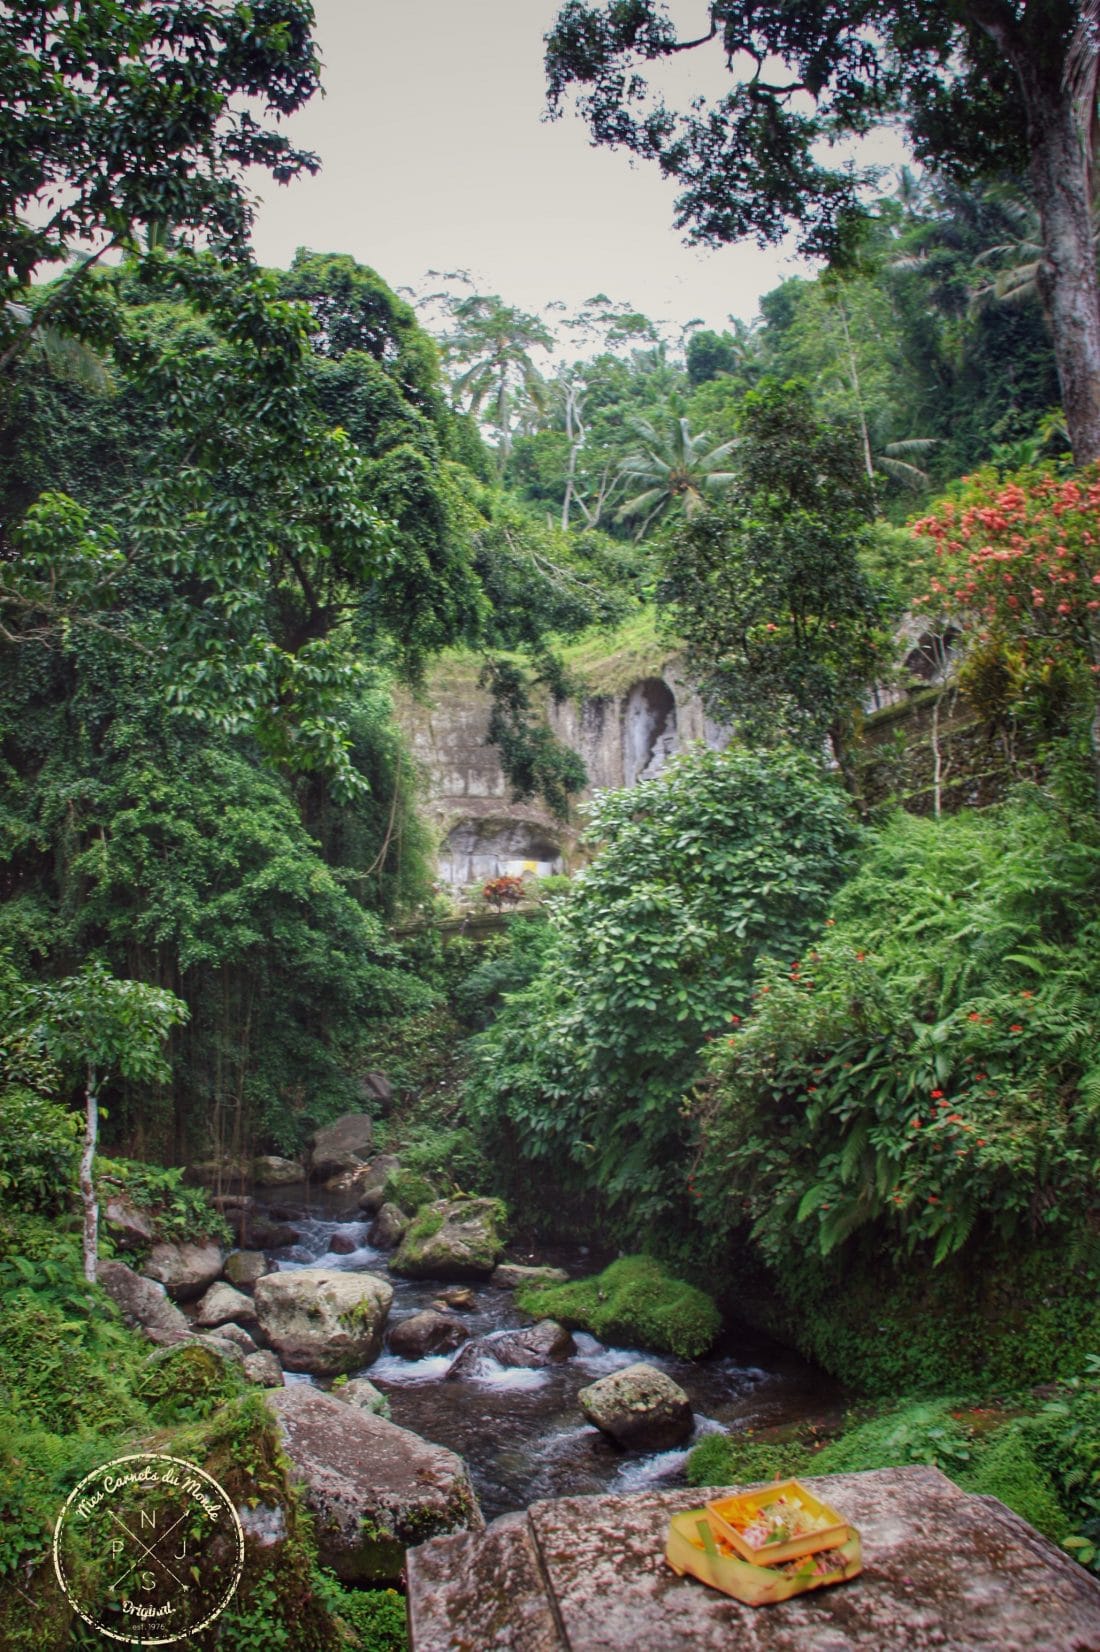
point(942, 1572)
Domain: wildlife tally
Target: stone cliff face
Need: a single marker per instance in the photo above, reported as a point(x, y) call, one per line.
point(624, 738)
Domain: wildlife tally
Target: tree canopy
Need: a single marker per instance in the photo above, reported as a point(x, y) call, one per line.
point(982, 86)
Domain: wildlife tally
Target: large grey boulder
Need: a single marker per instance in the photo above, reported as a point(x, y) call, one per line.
point(222, 1303)
point(530, 1348)
point(452, 1239)
point(323, 1321)
point(144, 1303)
point(943, 1570)
point(639, 1407)
point(244, 1267)
point(185, 1269)
point(341, 1146)
point(374, 1489)
point(427, 1332)
point(269, 1170)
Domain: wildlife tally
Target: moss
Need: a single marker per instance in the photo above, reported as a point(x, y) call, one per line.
point(1010, 1470)
point(633, 1301)
point(408, 1190)
point(189, 1382)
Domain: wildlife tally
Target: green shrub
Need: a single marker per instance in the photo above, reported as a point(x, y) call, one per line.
point(632, 1301)
point(1010, 1469)
point(926, 1071)
point(447, 1157)
point(404, 1187)
point(178, 1212)
point(39, 1149)
point(374, 1618)
point(579, 1081)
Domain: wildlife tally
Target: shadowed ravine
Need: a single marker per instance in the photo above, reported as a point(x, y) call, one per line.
point(520, 1430)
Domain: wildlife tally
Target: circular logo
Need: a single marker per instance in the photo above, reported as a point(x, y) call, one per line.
point(148, 1549)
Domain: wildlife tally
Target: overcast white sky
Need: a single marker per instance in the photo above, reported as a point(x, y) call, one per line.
point(435, 156)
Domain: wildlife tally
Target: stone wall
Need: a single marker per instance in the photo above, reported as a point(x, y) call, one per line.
point(623, 738)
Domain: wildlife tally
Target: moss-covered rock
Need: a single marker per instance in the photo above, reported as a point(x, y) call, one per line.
point(634, 1302)
point(407, 1189)
point(452, 1239)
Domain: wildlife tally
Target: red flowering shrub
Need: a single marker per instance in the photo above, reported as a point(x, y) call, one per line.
point(503, 891)
point(1017, 564)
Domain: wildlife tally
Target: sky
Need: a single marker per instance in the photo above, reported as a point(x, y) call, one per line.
point(435, 155)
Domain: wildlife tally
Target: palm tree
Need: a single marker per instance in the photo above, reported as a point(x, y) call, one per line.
point(676, 469)
point(492, 342)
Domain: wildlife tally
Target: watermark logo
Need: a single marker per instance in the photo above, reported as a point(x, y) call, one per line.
point(148, 1549)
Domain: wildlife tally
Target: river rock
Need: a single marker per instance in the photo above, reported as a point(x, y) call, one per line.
point(374, 1489)
point(264, 1369)
point(238, 1334)
point(372, 1187)
point(221, 1303)
point(244, 1267)
point(459, 1296)
point(451, 1239)
point(133, 1226)
point(639, 1407)
point(271, 1171)
point(323, 1321)
point(424, 1333)
point(185, 1269)
point(377, 1087)
point(510, 1275)
point(388, 1228)
point(343, 1145)
point(265, 1233)
point(362, 1393)
point(143, 1302)
point(342, 1244)
point(530, 1348)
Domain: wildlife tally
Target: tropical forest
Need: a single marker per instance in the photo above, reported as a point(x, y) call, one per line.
point(550, 851)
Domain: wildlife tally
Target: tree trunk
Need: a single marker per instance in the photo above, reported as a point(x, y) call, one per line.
point(87, 1185)
point(1067, 278)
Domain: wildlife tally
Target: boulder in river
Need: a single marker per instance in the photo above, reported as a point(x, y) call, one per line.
point(510, 1275)
point(530, 1348)
point(322, 1320)
point(244, 1267)
point(374, 1489)
point(238, 1334)
point(341, 1146)
point(343, 1243)
point(185, 1269)
point(269, 1170)
point(427, 1332)
point(266, 1233)
point(639, 1407)
point(143, 1302)
point(223, 1302)
point(459, 1296)
point(452, 1239)
point(388, 1228)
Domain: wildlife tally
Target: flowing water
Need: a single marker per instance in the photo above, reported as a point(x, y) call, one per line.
point(521, 1431)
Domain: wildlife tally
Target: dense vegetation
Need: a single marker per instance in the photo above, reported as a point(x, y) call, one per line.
point(833, 1062)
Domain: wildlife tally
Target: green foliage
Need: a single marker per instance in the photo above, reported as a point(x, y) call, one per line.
point(1009, 1468)
point(178, 1212)
point(633, 1301)
point(925, 1071)
point(1066, 1440)
point(507, 964)
point(769, 593)
point(374, 1618)
point(188, 1383)
point(408, 1189)
point(39, 1146)
point(448, 1158)
point(724, 856)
